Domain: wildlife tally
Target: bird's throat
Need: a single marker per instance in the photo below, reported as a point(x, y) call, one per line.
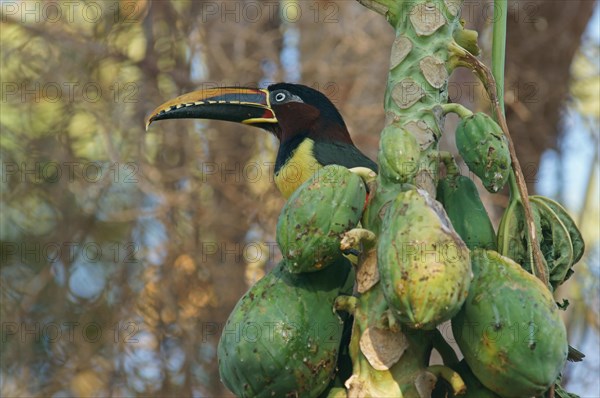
point(295, 164)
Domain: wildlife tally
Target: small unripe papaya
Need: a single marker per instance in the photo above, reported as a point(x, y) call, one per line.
point(399, 154)
point(484, 148)
point(469, 218)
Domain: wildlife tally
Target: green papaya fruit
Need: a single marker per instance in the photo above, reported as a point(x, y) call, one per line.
point(283, 336)
point(423, 264)
point(469, 218)
point(314, 217)
point(484, 148)
point(509, 329)
point(399, 154)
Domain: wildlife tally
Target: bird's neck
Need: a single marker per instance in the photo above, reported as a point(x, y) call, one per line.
point(295, 164)
point(287, 149)
point(296, 160)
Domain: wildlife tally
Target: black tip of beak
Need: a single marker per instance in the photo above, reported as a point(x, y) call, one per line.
point(174, 113)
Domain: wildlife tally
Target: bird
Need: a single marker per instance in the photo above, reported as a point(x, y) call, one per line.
point(311, 131)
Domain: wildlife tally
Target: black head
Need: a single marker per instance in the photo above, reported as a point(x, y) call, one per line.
point(309, 96)
point(303, 110)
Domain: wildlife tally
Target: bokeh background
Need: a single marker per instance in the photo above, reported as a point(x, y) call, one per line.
point(123, 251)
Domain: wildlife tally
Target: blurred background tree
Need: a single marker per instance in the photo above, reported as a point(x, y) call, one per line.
point(123, 252)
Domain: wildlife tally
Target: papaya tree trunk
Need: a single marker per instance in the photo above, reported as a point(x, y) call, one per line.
point(389, 359)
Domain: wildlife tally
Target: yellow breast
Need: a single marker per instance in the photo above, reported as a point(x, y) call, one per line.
point(299, 168)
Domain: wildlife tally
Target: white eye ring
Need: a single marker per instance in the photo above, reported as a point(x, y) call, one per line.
point(280, 97)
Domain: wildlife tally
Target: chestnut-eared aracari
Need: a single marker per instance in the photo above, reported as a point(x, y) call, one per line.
point(311, 131)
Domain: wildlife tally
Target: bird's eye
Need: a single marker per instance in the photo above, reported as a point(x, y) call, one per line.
point(279, 97)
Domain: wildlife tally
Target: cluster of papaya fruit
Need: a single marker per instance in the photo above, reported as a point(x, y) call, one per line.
point(441, 260)
point(284, 337)
point(509, 329)
point(438, 259)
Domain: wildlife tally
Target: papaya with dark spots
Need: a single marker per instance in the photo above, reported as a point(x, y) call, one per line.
point(283, 336)
point(314, 218)
point(484, 148)
point(423, 263)
point(509, 328)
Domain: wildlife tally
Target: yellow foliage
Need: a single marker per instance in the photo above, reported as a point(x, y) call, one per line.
point(137, 48)
point(33, 114)
point(87, 383)
point(585, 86)
point(186, 264)
point(87, 143)
point(34, 215)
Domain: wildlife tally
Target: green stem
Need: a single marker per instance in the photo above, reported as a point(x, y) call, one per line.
point(514, 188)
point(388, 8)
point(447, 159)
point(498, 63)
point(460, 110)
point(499, 47)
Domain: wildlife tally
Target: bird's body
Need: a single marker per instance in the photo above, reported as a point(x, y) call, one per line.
point(310, 129)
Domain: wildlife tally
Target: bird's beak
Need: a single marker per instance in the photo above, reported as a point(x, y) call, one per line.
point(234, 104)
